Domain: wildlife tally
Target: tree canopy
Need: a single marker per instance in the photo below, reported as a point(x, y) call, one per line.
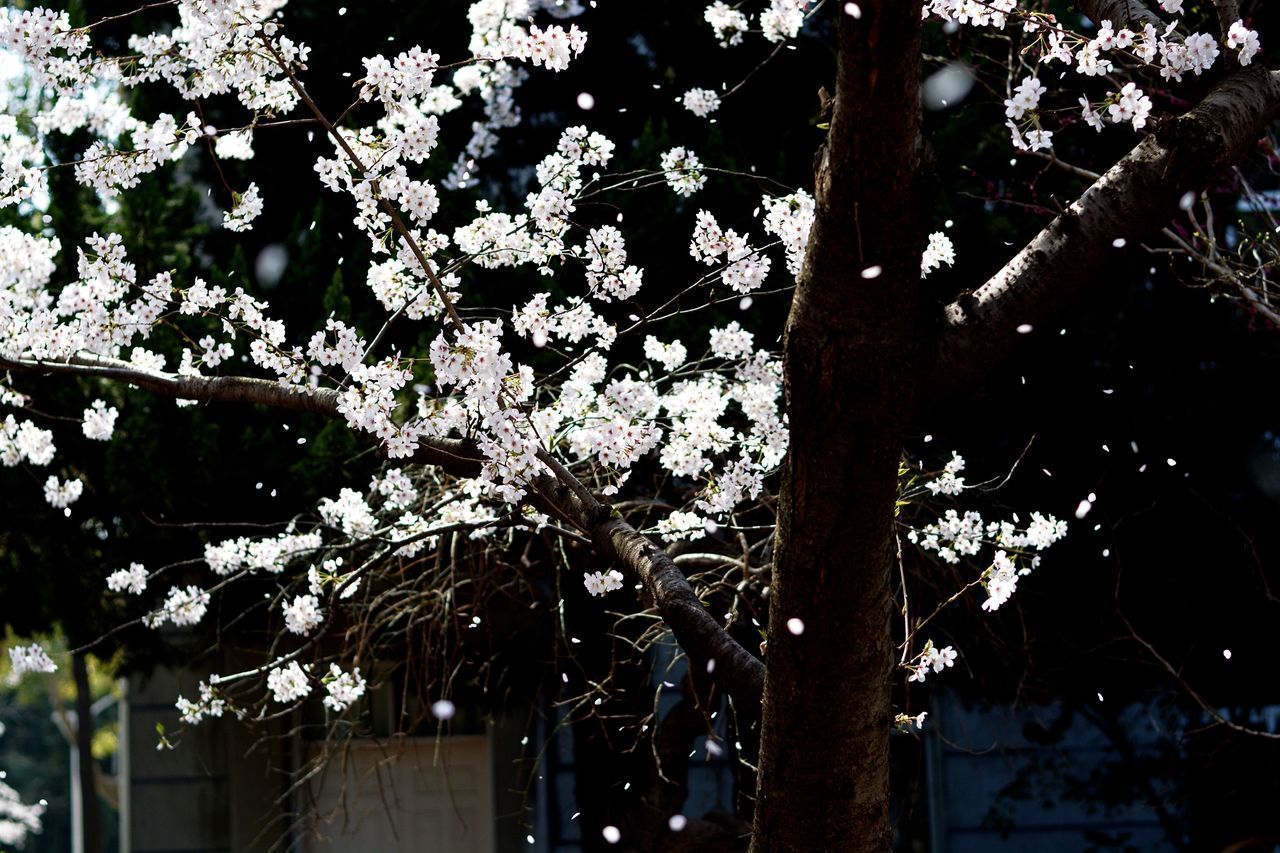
point(551, 324)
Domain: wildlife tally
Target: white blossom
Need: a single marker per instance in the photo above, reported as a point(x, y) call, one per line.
point(303, 615)
point(210, 704)
point(1132, 106)
point(727, 23)
point(701, 102)
point(30, 658)
point(132, 580)
point(342, 689)
point(599, 583)
point(246, 208)
point(939, 251)
point(683, 171)
point(1241, 38)
point(62, 493)
point(182, 606)
point(290, 682)
point(99, 421)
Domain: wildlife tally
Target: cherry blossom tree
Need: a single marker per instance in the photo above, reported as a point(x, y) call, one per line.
point(572, 416)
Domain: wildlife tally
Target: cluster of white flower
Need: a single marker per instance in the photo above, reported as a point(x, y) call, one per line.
point(1026, 98)
point(303, 615)
point(99, 422)
point(932, 659)
point(330, 572)
point(399, 289)
point(496, 84)
point(496, 240)
point(939, 251)
point(36, 34)
point(1033, 140)
point(210, 704)
point(132, 580)
point(598, 583)
point(553, 47)
point(955, 535)
point(782, 20)
point(25, 441)
point(947, 483)
point(218, 49)
point(395, 487)
point(500, 29)
point(701, 102)
point(1195, 54)
point(410, 75)
point(246, 207)
point(1174, 54)
point(571, 322)
point(1131, 106)
point(975, 13)
point(343, 689)
point(732, 342)
point(183, 606)
point(26, 265)
point(61, 494)
point(952, 536)
point(671, 356)
point(17, 819)
point(369, 403)
point(790, 219)
point(746, 267)
point(740, 479)
point(683, 171)
point(31, 658)
point(1241, 38)
point(1039, 534)
point(475, 364)
point(271, 554)
point(234, 145)
point(21, 156)
point(728, 23)
point(608, 274)
point(684, 525)
point(108, 169)
point(290, 682)
point(1001, 580)
point(349, 513)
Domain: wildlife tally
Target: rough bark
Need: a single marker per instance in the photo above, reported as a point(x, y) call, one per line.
point(708, 644)
point(849, 370)
point(1134, 198)
point(91, 808)
point(205, 389)
point(1122, 13)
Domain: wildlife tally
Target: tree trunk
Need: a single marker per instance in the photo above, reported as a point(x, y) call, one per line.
point(91, 809)
point(850, 367)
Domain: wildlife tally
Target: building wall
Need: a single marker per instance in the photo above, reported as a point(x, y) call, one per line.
point(216, 792)
point(409, 794)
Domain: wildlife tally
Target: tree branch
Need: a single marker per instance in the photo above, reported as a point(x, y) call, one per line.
point(703, 639)
point(1121, 13)
point(706, 642)
point(1135, 197)
point(206, 389)
point(1228, 14)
